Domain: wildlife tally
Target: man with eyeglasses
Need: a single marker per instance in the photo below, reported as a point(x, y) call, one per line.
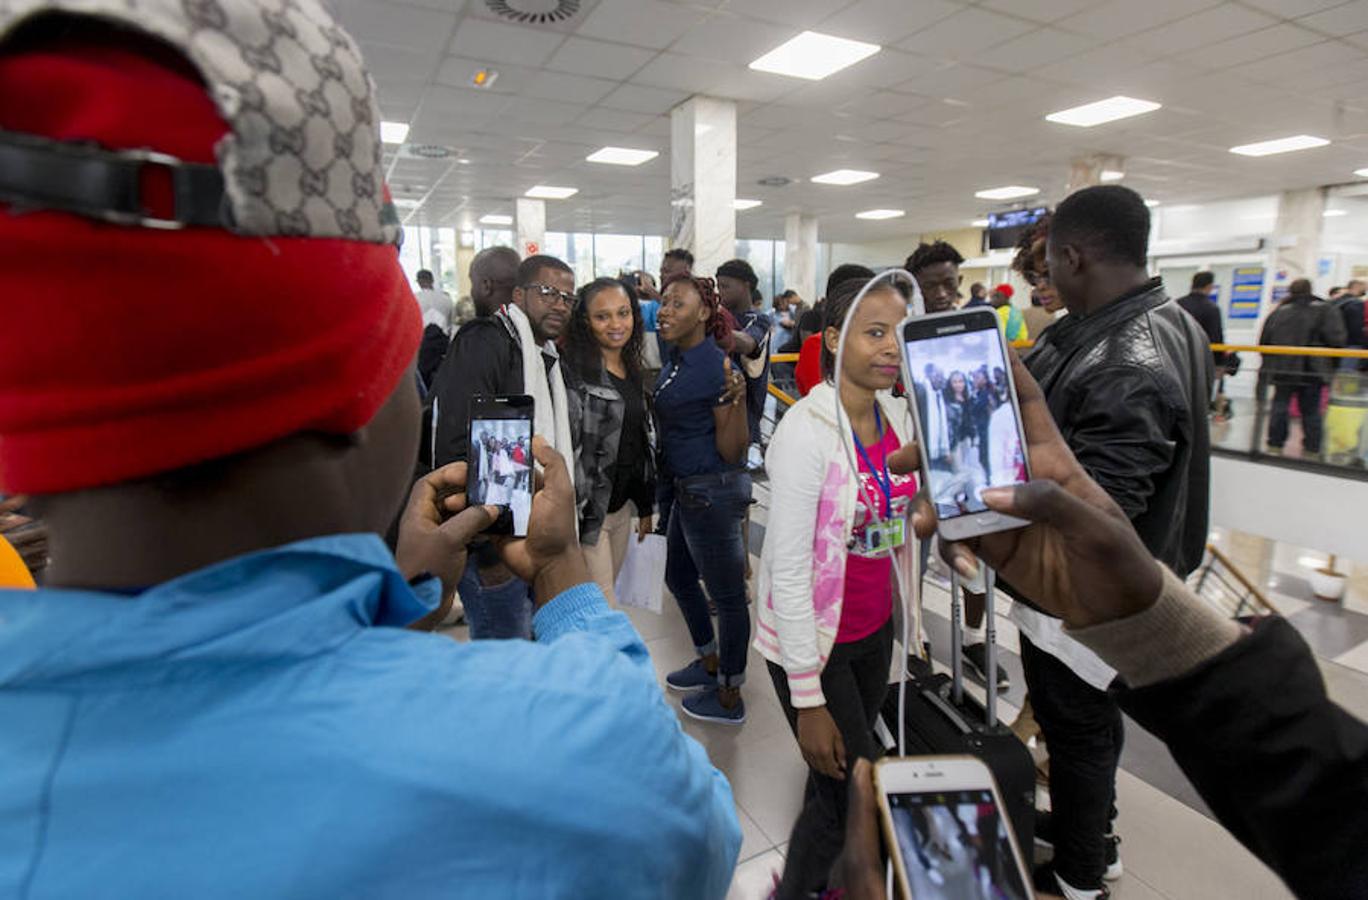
point(495, 356)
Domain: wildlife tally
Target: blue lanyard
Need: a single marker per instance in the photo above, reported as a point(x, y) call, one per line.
point(886, 483)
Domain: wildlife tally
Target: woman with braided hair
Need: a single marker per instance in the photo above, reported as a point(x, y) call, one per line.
point(703, 432)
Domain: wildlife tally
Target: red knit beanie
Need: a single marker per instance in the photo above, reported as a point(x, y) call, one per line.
point(128, 351)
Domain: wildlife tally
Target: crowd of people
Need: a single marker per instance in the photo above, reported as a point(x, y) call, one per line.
point(227, 685)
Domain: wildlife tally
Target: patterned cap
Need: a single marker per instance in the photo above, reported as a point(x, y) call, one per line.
point(302, 156)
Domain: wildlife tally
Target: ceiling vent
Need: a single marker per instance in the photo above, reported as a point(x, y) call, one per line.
point(427, 151)
point(534, 12)
point(775, 181)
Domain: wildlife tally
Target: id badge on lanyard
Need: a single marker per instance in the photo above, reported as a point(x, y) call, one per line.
point(888, 531)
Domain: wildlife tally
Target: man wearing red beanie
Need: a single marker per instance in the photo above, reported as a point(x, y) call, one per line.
point(223, 690)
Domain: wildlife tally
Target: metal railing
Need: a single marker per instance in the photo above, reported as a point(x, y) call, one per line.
point(1222, 584)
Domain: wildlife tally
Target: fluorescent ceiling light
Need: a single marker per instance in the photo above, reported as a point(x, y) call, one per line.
point(1151, 203)
point(740, 205)
point(844, 177)
point(1111, 175)
point(1010, 192)
point(814, 56)
point(1362, 173)
point(1103, 111)
point(979, 223)
point(1335, 213)
point(880, 214)
point(496, 219)
point(393, 132)
point(1281, 145)
point(549, 192)
point(406, 203)
point(621, 156)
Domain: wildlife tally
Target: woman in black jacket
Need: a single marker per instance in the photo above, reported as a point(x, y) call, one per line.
point(610, 424)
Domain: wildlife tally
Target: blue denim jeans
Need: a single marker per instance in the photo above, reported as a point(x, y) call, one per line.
point(495, 611)
point(705, 541)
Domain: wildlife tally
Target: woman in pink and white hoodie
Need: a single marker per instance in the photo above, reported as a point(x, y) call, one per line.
point(827, 583)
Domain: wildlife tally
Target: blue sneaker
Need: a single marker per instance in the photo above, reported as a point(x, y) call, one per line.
point(693, 677)
point(707, 707)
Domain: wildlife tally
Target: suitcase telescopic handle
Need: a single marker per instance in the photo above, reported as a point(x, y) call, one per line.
point(956, 637)
point(989, 636)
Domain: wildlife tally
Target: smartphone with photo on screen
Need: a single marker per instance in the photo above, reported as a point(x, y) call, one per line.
point(500, 459)
point(947, 828)
point(964, 401)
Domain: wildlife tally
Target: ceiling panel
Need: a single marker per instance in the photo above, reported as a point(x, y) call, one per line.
point(887, 21)
point(601, 59)
point(1029, 50)
point(1118, 18)
point(496, 42)
point(644, 23)
point(571, 88)
point(966, 34)
point(1210, 26)
point(1346, 19)
point(1043, 11)
point(798, 14)
point(1249, 47)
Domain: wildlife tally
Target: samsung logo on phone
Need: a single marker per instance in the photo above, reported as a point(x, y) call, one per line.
point(951, 329)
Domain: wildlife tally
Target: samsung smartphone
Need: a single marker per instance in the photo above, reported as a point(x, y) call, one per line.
point(968, 420)
point(500, 459)
point(947, 830)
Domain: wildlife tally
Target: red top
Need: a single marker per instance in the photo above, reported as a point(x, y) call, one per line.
point(868, 600)
point(808, 372)
point(518, 456)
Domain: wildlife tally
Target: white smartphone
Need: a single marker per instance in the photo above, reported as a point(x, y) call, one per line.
point(965, 405)
point(948, 831)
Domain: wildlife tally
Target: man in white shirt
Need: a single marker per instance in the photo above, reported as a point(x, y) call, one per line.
point(436, 305)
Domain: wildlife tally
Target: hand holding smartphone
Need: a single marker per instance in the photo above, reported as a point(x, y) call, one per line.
point(969, 422)
point(500, 460)
point(946, 826)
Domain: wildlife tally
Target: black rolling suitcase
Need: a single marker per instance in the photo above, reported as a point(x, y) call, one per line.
point(943, 719)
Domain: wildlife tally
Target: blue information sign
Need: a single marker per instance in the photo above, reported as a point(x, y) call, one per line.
point(1246, 292)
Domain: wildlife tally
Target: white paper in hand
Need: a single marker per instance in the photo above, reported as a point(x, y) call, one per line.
point(641, 583)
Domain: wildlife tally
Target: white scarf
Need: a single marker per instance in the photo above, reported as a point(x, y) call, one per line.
point(551, 409)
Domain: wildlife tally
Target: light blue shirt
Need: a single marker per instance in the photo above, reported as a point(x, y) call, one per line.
point(265, 727)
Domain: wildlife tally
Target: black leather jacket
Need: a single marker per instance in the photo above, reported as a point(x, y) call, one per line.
point(1128, 386)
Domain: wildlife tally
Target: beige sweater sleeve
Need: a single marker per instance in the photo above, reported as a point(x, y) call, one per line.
point(1175, 635)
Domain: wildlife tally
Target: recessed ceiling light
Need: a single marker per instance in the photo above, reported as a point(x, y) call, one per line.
point(814, 56)
point(496, 219)
point(1280, 145)
point(880, 214)
point(621, 156)
point(844, 177)
point(1111, 175)
point(406, 203)
point(1010, 192)
point(1152, 203)
point(739, 205)
point(463, 161)
point(1362, 173)
point(1103, 111)
point(1335, 213)
point(483, 78)
point(393, 132)
point(979, 223)
point(550, 192)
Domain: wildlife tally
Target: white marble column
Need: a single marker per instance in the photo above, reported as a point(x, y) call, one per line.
point(800, 256)
point(530, 216)
point(1300, 217)
point(1086, 171)
point(703, 181)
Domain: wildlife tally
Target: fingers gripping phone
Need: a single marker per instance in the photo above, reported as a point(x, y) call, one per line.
point(500, 459)
point(948, 831)
point(965, 405)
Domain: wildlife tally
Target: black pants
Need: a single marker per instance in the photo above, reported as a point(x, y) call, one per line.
point(1308, 396)
point(1082, 727)
point(854, 682)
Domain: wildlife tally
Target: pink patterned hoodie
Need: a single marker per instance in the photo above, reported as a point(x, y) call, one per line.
point(803, 564)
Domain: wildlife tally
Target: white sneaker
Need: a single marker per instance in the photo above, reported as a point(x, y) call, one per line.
point(1069, 892)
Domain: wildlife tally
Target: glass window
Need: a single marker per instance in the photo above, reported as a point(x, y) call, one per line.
point(654, 254)
point(616, 253)
point(778, 286)
point(579, 256)
point(760, 254)
point(556, 243)
point(489, 239)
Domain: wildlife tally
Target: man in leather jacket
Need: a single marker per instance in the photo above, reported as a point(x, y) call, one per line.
point(1126, 377)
